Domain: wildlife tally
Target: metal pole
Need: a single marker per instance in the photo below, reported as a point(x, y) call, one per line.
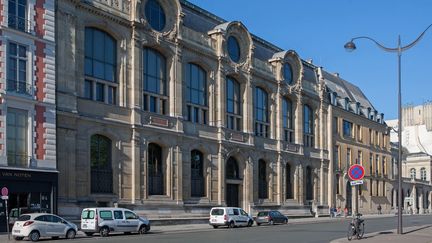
point(399, 229)
point(7, 219)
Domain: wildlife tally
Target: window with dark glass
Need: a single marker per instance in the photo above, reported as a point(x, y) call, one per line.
point(423, 174)
point(287, 73)
point(289, 191)
point(232, 169)
point(233, 103)
point(413, 173)
point(308, 127)
point(337, 161)
point(337, 184)
point(309, 183)
point(17, 15)
point(197, 174)
point(101, 164)
point(155, 15)
point(261, 113)
point(233, 49)
point(17, 69)
point(262, 180)
point(288, 124)
point(155, 84)
point(347, 129)
point(100, 66)
point(17, 141)
point(155, 170)
point(196, 94)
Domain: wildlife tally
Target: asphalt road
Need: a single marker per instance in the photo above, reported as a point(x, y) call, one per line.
point(310, 232)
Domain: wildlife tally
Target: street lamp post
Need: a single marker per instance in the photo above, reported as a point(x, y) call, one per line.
point(350, 46)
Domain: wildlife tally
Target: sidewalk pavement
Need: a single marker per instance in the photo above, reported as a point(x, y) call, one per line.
point(416, 234)
point(166, 229)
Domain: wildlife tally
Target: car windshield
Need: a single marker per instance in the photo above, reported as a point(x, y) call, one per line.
point(260, 214)
point(217, 212)
point(24, 217)
point(87, 214)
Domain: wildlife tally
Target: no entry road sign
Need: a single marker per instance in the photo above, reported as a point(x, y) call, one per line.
point(356, 172)
point(4, 191)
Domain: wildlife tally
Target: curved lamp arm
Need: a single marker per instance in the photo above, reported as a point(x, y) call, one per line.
point(396, 49)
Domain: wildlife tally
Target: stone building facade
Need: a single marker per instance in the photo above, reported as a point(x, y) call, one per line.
point(168, 109)
point(28, 106)
point(359, 136)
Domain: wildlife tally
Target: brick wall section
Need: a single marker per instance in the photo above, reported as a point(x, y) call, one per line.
point(1, 12)
point(40, 132)
point(39, 18)
point(40, 72)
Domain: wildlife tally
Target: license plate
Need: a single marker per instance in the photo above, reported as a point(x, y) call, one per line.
point(214, 220)
point(16, 231)
point(84, 225)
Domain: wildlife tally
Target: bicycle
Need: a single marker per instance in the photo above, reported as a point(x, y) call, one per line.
point(356, 227)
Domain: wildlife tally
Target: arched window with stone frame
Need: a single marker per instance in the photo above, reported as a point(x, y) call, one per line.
point(196, 94)
point(412, 173)
point(197, 174)
point(155, 170)
point(101, 164)
point(233, 105)
point(262, 180)
point(261, 111)
point(155, 97)
point(287, 120)
point(423, 174)
point(308, 126)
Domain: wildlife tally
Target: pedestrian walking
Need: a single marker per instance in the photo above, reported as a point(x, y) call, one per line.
point(346, 211)
point(379, 209)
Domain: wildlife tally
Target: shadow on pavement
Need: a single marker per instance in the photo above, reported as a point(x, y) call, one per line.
point(420, 228)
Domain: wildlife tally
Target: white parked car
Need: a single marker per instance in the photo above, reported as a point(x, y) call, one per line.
point(229, 216)
point(106, 220)
point(36, 225)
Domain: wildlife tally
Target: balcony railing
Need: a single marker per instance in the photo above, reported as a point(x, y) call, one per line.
point(19, 87)
point(20, 23)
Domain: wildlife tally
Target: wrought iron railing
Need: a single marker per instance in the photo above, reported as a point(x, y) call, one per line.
point(20, 23)
point(101, 180)
point(19, 87)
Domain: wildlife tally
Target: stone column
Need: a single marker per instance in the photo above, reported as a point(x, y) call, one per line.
point(421, 203)
point(248, 185)
point(296, 183)
point(301, 185)
point(221, 175)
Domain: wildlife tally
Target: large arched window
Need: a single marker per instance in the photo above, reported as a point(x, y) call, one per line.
point(100, 66)
point(288, 124)
point(155, 15)
point(288, 193)
point(413, 173)
point(233, 49)
point(233, 104)
point(232, 169)
point(155, 84)
point(196, 94)
point(261, 113)
point(423, 174)
point(309, 183)
point(197, 174)
point(308, 126)
point(155, 170)
point(100, 164)
point(262, 179)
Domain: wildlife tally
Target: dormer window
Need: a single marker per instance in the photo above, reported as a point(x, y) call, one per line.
point(233, 49)
point(287, 73)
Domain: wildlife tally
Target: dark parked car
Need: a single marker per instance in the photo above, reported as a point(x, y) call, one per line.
point(270, 217)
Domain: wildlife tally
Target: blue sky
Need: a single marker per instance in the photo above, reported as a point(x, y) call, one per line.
point(318, 29)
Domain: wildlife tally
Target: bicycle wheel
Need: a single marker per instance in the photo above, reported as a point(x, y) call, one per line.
point(350, 232)
point(360, 231)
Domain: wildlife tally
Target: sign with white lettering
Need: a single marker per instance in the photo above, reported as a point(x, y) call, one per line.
point(357, 182)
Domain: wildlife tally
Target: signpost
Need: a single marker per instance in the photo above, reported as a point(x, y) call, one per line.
point(5, 197)
point(356, 173)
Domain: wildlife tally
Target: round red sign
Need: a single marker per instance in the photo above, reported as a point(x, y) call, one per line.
point(356, 172)
point(4, 191)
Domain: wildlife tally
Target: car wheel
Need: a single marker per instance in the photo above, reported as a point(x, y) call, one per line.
point(250, 223)
point(34, 236)
point(258, 224)
point(70, 234)
point(285, 221)
point(88, 233)
point(231, 224)
point(271, 222)
point(215, 226)
point(143, 229)
point(104, 231)
point(19, 238)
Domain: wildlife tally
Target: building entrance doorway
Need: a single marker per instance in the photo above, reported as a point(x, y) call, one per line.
point(232, 195)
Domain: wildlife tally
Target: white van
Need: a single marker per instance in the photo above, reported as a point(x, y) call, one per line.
point(229, 216)
point(106, 220)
